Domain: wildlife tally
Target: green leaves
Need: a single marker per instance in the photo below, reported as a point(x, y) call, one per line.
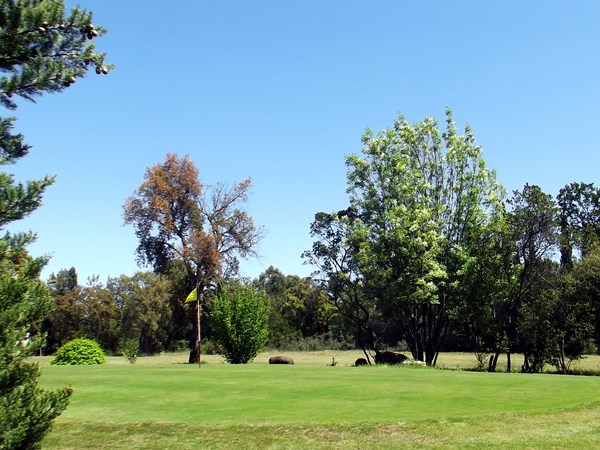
point(240, 322)
point(79, 352)
point(579, 219)
point(417, 196)
point(17, 200)
point(41, 50)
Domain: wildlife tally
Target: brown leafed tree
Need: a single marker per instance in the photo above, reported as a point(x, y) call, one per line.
point(178, 218)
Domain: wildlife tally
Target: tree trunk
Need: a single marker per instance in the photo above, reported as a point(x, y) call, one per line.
point(563, 356)
point(525, 367)
point(194, 353)
point(493, 362)
point(367, 356)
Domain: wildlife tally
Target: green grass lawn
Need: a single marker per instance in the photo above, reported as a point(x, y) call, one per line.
point(160, 402)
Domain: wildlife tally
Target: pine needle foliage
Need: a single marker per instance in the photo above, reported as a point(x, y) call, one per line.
point(42, 50)
point(26, 411)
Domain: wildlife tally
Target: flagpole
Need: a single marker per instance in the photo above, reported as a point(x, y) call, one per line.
point(199, 339)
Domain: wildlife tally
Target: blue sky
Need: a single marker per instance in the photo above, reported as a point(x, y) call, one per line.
point(282, 91)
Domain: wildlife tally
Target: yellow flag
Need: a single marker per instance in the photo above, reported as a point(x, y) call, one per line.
point(193, 296)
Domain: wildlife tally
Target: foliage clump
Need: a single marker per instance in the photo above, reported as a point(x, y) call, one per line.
point(26, 410)
point(79, 352)
point(130, 348)
point(240, 322)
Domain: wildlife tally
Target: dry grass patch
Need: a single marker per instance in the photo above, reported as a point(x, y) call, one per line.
point(574, 429)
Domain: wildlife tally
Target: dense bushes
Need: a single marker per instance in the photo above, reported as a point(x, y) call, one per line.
point(240, 322)
point(79, 352)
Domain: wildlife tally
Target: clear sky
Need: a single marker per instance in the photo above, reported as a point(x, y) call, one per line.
point(281, 91)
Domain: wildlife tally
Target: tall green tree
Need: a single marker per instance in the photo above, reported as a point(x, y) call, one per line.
point(274, 284)
point(306, 307)
point(88, 311)
point(127, 308)
point(489, 275)
point(533, 221)
point(299, 307)
point(543, 315)
point(179, 220)
point(26, 410)
point(579, 205)
point(42, 50)
point(573, 319)
point(64, 281)
point(585, 294)
point(101, 316)
point(416, 195)
point(66, 320)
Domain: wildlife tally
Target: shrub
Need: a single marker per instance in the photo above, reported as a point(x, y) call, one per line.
point(130, 348)
point(79, 352)
point(240, 322)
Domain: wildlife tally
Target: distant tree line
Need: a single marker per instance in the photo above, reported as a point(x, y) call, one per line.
point(191, 235)
point(149, 309)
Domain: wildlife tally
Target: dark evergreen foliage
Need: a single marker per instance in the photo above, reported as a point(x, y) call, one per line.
point(42, 50)
point(26, 410)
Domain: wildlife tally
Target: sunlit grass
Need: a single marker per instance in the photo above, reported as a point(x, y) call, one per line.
point(161, 402)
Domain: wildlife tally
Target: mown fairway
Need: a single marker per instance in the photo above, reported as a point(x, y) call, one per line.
point(160, 403)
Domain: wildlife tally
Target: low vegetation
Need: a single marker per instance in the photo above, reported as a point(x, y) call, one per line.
point(79, 352)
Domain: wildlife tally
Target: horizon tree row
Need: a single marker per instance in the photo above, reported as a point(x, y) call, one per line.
point(150, 310)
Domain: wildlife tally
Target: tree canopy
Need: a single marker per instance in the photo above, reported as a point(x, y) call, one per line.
point(43, 49)
point(417, 195)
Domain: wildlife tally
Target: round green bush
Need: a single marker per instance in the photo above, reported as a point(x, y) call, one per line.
point(79, 352)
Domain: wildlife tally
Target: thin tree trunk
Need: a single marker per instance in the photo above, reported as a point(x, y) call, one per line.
point(493, 362)
point(562, 356)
